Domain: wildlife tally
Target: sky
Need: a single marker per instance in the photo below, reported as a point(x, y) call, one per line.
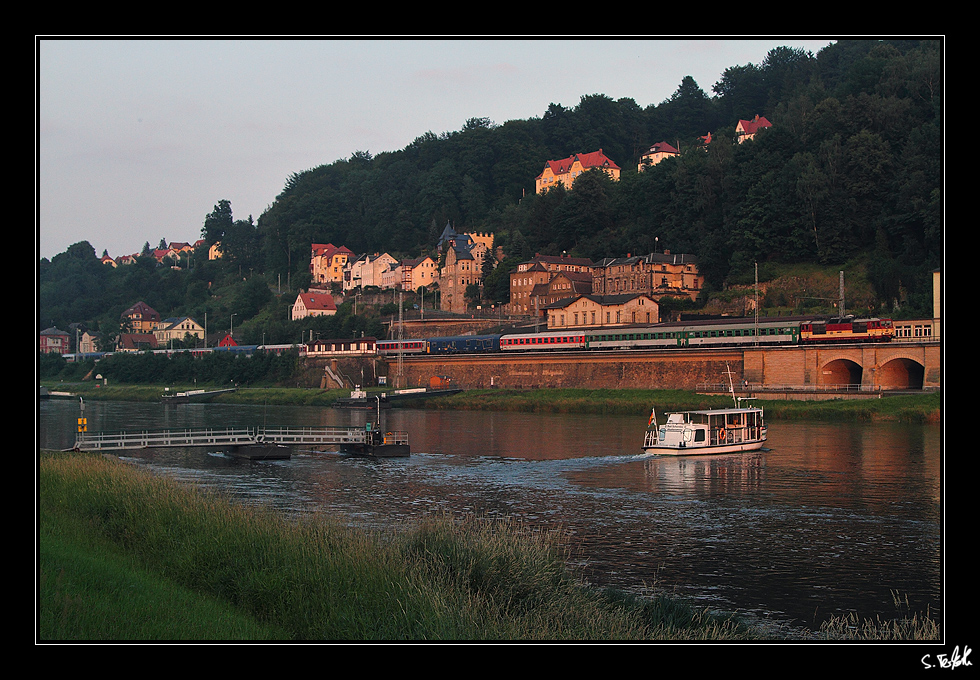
point(137, 140)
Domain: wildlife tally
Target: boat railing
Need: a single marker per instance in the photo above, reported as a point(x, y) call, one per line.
point(650, 438)
point(396, 438)
point(736, 434)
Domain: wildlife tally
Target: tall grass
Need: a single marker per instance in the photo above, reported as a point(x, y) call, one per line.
point(926, 408)
point(126, 555)
point(303, 580)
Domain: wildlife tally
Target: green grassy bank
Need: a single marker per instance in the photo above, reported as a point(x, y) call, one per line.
point(126, 555)
point(916, 408)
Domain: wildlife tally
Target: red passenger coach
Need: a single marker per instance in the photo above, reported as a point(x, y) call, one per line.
point(395, 347)
point(530, 342)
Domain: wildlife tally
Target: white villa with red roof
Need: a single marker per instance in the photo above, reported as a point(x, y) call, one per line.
point(313, 304)
point(747, 129)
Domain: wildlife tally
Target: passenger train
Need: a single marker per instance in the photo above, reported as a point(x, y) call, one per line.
point(718, 333)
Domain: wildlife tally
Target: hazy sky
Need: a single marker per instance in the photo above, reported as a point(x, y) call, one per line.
point(137, 140)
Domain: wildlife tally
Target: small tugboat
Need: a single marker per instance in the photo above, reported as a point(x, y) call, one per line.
point(689, 433)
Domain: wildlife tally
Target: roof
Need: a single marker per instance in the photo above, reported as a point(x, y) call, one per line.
point(143, 309)
point(594, 159)
point(603, 300)
point(329, 250)
point(448, 233)
point(561, 259)
point(174, 321)
point(661, 147)
point(52, 331)
point(651, 258)
point(322, 301)
point(135, 340)
point(752, 126)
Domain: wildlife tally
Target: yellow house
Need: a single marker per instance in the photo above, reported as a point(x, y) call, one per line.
point(327, 263)
point(565, 171)
point(655, 154)
point(419, 272)
point(178, 329)
point(602, 311)
point(142, 318)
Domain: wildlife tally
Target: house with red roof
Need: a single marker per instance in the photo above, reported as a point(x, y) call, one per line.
point(747, 129)
point(327, 263)
point(54, 341)
point(566, 170)
point(142, 318)
point(313, 303)
point(655, 154)
point(136, 342)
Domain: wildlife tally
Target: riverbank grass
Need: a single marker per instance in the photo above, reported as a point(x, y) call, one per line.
point(913, 408)
point(127, 555)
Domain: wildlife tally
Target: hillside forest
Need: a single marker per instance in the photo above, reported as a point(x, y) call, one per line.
point(848, 176)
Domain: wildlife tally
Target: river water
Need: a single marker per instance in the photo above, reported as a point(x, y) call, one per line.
point(831, 519)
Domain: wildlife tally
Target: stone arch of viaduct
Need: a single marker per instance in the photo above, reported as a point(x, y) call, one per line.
point(887, 366)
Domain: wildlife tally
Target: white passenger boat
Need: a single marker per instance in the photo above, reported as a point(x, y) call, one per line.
point(724, 430)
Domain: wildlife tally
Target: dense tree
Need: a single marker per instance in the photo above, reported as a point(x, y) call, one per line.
point(852, 167)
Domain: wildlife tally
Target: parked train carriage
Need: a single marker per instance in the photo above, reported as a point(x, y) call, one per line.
point(636, 338)
point(463, 344)
point(847, 329)
point(342, 347)
point(770, 332)
point(534, 342)
point(396, 347)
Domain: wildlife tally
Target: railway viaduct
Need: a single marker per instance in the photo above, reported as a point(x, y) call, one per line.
point(831, 369)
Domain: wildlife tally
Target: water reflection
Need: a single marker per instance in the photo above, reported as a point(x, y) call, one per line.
point(831, 519)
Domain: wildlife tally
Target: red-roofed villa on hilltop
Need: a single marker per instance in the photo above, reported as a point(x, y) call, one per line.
point(566, 170)
point(746, 129)
point(655, 154)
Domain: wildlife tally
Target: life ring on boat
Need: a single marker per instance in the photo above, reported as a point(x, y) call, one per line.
point(721, 434)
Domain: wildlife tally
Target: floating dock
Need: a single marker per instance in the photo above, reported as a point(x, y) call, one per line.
point(262, 443)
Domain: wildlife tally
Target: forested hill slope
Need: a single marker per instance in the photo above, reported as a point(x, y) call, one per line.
point(851, 166)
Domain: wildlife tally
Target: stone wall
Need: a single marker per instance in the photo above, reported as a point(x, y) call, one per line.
point(679, 371)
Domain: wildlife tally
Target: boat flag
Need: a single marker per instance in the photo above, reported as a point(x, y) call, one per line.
point(652, 417)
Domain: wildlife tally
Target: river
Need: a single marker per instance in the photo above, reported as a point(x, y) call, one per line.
point(831, 519)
